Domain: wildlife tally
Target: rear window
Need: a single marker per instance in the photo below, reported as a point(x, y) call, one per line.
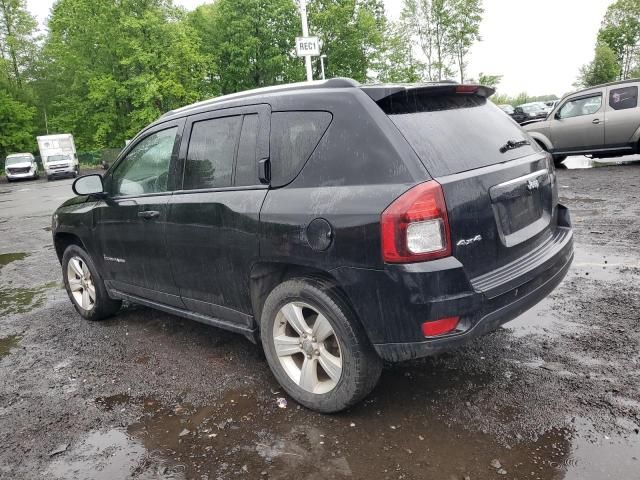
point(455, 133)
point(294, 137)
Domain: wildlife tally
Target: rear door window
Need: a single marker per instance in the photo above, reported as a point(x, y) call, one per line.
point(623, 98)
point(211, 153)
point(294, 137)
point(453, 133)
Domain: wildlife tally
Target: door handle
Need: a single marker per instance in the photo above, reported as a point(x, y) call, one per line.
point(596, 121)
point(149, 214)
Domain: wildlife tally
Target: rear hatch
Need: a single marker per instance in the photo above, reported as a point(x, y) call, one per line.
point(499, 186)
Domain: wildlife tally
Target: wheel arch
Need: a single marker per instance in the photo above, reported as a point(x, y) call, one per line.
point(62, 240)
point(265, 276)
point(542, 140)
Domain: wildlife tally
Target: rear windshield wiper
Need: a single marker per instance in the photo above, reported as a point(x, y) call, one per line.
point(511, 145)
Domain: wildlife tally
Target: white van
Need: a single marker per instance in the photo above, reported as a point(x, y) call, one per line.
point(20, 165)
point(59, 157)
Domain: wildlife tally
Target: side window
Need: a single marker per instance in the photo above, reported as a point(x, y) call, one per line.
point(145, 169)
point(294, 136)
point(212, 149)
point(623, 98)
point(581, 106)
point(246, 166)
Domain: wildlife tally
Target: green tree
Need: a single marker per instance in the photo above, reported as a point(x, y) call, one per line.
point(603, 69)
point(465, 30)
point(16, 124)
point(620, 31)
point(249, 43)
point(489, 80)
point(445, 31)
point(352, 35)
point(18, 40)
point(399, 64)
point(113, 67)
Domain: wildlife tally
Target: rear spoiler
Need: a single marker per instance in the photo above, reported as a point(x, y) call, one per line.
point(380, 92)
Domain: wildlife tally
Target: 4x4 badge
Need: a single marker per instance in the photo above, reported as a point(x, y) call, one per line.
point(464, 243)
point(533, 185)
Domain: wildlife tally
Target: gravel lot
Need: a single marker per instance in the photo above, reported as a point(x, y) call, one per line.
point(554, 394)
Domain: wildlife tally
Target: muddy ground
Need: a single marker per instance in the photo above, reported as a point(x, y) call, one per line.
point(554, 394)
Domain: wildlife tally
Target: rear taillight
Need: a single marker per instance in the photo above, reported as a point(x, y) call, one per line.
point(415, 226)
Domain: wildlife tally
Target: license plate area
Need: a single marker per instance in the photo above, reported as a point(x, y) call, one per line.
point(522, 207)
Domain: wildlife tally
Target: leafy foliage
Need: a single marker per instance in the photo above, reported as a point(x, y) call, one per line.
point(248, 43)
point(604, 68)
point(620, 31)
point(352, 35)
point(444, 30)
point(16, 125)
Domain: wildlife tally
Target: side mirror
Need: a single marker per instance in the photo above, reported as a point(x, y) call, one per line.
point(557, 115)
point(88, 185)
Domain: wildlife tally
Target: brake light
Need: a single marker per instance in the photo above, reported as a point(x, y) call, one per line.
point(440, 327)
point(470, 89)
point(415, 227)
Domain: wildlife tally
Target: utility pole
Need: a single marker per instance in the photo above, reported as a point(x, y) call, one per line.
point(305, 33)
point(322, 57)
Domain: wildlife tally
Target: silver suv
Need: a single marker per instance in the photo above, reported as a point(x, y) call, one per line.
point(602, 121)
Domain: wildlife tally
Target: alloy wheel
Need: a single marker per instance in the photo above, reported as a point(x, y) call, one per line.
point(307, 347)
point(81, 284)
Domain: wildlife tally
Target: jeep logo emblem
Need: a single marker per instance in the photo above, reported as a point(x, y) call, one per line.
point(533, 185)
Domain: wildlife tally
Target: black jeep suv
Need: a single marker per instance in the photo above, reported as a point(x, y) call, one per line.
point(338, 224)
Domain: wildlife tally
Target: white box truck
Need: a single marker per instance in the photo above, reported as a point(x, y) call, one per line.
point(59, 157)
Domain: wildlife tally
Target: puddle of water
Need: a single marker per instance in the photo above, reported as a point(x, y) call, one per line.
point(542, 320)
point(7, 258)
point(600, 264)
point(592, 263)
point(23, 300)
point(597, 457)
point(105, 456)
point(388, 436)
point(7, 343)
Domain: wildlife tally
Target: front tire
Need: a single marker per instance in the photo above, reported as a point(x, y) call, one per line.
point(316, 347)
point(85, 285)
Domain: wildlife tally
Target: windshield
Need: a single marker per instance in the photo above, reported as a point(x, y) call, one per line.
point(16, 160)
point(57, 158)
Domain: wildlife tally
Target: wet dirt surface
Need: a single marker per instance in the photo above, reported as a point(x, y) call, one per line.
point(555, 394)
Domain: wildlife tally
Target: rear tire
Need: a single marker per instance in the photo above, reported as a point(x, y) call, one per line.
point(332, 365)
point(85, 285)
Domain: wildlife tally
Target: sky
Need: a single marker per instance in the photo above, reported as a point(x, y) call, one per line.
point(537, 45)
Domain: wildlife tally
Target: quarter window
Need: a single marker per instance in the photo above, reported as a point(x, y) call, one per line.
point(294, 136)
point(623, 98)
point(145, 169)
point(581, 106)
point(211, 153)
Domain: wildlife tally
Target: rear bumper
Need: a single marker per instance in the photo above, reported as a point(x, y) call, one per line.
point(393, 304)
point(495, 315)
